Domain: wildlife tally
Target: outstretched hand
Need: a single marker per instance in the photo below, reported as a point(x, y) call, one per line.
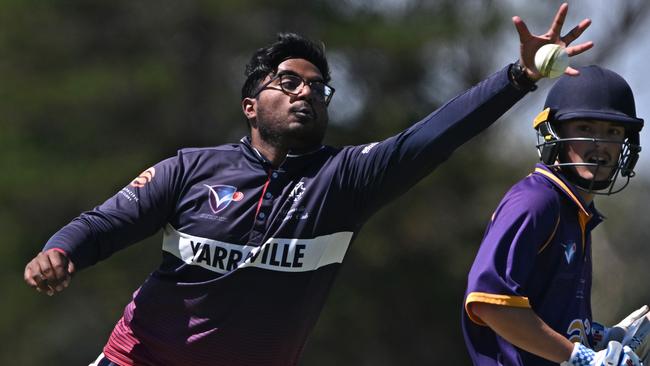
point(529, 43)
point(49, 272)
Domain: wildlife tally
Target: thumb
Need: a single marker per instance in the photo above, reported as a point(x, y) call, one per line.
point(71, 267)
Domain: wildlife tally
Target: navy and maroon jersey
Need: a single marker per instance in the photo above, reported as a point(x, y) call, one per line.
point(250, 251)
point(536, 253)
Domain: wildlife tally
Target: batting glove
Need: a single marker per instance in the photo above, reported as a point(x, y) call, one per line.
point(637, 336)
point(614, 355)
point(621, 332)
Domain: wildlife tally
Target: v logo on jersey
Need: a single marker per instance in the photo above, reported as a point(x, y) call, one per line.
point(220, 196)
point(569, 251)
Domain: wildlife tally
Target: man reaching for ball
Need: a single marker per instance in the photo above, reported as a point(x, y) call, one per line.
point(256, 231)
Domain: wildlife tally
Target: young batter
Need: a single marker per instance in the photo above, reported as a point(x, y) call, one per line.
point(528, 295)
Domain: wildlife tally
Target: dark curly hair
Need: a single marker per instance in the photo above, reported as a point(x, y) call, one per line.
point(265, 60)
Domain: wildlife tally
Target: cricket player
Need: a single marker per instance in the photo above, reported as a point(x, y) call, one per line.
point(528, 298)
point(256, 231)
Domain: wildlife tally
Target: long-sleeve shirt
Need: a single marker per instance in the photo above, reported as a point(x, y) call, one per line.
point(250, 251)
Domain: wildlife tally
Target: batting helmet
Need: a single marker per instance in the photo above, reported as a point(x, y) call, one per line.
point(596, 94)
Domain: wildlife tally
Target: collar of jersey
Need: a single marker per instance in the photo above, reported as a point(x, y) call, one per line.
point(567, 188)
point(253, 153)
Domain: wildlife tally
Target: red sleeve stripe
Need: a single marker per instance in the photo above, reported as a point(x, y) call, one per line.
point(60, 251)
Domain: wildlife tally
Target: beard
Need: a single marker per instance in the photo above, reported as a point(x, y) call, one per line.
point(300, 135)
point(272, 136)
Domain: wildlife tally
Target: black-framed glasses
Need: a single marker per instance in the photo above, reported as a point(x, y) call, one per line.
point(293, 85)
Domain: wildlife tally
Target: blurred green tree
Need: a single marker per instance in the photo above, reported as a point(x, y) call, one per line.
point(92, 93)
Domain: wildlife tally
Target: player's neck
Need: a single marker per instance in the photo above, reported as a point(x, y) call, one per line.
point(274, 154)
point(586, 197)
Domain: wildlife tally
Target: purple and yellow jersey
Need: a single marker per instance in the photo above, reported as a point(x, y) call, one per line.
point(250, 251)
point(536, 253)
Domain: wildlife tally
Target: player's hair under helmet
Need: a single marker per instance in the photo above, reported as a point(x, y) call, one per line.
point(596, 94)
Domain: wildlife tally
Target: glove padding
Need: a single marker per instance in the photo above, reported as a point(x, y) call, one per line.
point(637, 336)
point(614, 355)
point(621, 332)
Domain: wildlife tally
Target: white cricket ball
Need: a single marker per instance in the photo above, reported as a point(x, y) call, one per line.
point(551, 60)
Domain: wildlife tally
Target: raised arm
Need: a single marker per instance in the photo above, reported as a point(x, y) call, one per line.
point(381, 171)
point(530, 43)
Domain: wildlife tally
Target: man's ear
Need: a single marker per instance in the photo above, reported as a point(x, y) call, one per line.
point(249, 107)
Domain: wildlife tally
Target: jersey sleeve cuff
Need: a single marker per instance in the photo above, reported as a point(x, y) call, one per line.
point(58, 250)
point(504, 300)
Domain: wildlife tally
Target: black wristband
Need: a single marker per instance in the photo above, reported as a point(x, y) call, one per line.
point(519, 79)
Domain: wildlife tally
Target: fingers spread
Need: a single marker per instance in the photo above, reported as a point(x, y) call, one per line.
point(558, 22)
point(522, 29)
point(576, 31)
point(578, 49)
